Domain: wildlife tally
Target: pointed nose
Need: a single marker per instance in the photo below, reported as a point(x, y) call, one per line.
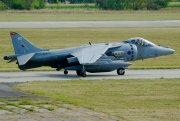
point(171, 51)
point(166, 51)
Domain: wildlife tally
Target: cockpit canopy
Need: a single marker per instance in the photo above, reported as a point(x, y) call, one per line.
point(139, 41)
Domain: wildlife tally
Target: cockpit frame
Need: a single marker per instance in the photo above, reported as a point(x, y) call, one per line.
point(139, 41)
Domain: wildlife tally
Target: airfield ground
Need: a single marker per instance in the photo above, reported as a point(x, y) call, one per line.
point(88, 15)
point(132, 99)
point(148, 99)
point(19, 106)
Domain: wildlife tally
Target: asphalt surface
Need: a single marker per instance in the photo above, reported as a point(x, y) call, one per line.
point(59, 75)
point(89, 24)
point(9, 93)
point(6, 90)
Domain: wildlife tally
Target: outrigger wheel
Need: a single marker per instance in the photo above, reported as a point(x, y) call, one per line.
point(66, 72)
point(120, 71)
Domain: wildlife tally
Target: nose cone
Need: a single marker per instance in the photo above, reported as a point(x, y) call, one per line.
point(171, 51)
point(166, 51)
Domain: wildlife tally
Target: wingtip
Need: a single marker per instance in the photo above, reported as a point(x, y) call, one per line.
point(13, 33)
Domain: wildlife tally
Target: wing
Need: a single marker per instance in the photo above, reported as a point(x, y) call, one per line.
point(90, 54)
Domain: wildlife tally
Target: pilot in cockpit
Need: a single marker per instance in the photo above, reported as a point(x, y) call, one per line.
point(139, 41)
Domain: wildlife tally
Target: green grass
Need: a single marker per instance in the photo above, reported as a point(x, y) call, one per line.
point(137, 99)
point(87, 15)
point(30, 109)
point(174, 5)
point(21, 103)
point(50, 108)
point(25, 102)
point(70, 37)
point(3, 107)
point(72, 6)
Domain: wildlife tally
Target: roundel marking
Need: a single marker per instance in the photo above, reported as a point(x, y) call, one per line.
point(129, 52)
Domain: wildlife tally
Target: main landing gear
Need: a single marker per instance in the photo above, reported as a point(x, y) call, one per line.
point(81, 73)
point(78, 72)
point(120, 71)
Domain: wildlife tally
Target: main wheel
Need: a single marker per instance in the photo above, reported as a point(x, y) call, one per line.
point(83, 73)
point(78, 73)
point(120, 71)
point(65, 72)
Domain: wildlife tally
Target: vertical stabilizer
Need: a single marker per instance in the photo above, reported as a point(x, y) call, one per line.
point(22, 45)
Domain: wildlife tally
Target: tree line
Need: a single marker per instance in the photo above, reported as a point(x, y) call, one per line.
point(132, 4)
point(122, 4)
point(22, 4)
point(103, 4)
point(71, 1)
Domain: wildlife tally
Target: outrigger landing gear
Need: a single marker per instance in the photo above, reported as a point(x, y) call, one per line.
point(66, 72)
point(120, 71)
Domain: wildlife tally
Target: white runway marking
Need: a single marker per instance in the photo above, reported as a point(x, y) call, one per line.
point(55, 75)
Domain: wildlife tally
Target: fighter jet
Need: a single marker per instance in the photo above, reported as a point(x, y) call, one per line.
point(93, 58)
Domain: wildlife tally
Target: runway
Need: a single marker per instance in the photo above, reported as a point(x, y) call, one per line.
point(89, 24)
point(59, 75)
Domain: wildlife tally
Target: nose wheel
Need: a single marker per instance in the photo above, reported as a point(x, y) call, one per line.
point(120, 71)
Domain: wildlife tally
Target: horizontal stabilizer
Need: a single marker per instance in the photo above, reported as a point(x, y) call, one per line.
point(23, 59)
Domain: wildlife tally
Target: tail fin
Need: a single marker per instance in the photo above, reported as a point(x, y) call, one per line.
point(22, 45)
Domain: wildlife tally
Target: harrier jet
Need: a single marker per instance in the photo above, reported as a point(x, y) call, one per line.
point(103, 57)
